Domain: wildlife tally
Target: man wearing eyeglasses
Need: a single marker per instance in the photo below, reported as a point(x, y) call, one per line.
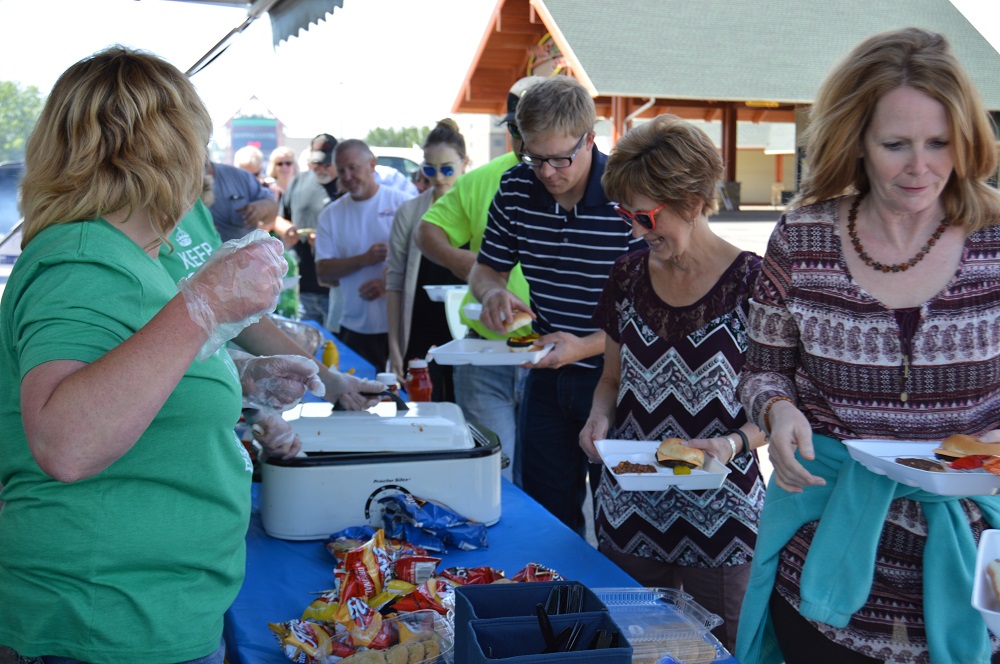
point(489, 395)
point(551, 215)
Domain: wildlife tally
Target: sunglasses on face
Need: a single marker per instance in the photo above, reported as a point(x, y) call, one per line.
point(554, 162)
point(646, 219)
point(430, 170)
point(284, 163)
point(514, 131)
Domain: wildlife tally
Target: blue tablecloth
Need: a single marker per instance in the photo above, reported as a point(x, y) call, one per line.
point(281, 574)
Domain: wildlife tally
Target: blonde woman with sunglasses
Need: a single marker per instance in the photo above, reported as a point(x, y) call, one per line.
point(281, 168)
point(444, 160)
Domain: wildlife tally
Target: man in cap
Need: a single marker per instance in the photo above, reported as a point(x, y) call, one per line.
point(489, 395)
point(352, 241)
point(308, 193)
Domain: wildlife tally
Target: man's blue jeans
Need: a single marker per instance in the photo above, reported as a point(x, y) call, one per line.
point(490, 396)
point(554, 468)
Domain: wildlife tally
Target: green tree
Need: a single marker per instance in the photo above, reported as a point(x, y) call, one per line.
point(19, 110)
point(404, 137)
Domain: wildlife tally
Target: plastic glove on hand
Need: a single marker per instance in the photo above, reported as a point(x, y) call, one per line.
point(234, 288)
point(349, 392)
point(277, 382)
point(273, 433)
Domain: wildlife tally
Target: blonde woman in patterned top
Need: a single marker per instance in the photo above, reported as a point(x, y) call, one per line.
point(675, 315)
point(877, 315)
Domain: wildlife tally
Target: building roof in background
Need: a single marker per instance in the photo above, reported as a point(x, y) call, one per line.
point(768, 56)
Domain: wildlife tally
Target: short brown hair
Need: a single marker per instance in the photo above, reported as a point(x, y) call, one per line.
point(121, 129)
point(560, 105)
point(668, 160)
point(846, 103)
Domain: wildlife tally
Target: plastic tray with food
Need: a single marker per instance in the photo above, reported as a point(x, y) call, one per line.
point(634, 465)
point(985, 584)
point(914, 463)
point(486, 352)
point(661, 622)
point(440, 293)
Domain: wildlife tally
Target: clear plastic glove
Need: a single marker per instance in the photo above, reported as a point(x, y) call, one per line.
point(351, 392)
point(237, 285)
point(273, 433)
point(276, 381)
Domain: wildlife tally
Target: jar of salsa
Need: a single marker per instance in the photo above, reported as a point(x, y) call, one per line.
point(418, 381)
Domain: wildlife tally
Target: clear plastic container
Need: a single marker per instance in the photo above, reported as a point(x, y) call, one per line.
point(662, 623)
point(430, 626)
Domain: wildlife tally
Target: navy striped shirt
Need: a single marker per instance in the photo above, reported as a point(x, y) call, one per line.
point(566, 255)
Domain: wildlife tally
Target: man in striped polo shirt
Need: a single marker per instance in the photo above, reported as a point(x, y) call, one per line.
point(551, 215)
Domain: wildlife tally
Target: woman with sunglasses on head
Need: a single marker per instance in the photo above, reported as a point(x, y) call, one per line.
point(416, 323)
point(675, 316)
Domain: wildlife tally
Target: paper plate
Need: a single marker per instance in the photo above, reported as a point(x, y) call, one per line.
point(879, 456)
point(613, 452)
point(484, 352)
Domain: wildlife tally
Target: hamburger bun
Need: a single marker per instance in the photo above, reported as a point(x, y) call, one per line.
point(518, 319)
point(959, 445)
point(673, 452)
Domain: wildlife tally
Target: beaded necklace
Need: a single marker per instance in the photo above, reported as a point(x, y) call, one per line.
point(852, 231)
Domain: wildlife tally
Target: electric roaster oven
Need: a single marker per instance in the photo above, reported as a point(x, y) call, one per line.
point(349, 460)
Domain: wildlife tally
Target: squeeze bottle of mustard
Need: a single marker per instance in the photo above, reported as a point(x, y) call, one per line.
point(331, 356)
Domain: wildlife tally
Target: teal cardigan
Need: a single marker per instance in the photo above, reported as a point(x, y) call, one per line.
point(838, 570)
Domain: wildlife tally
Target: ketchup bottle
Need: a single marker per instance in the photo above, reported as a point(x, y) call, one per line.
point(418, 381)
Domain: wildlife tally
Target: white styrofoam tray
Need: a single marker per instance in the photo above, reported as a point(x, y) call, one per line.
point(983, 599)
point(426, 426)
point(484, 352)
point(613, 452)
point(879, 456)
point(440, 293)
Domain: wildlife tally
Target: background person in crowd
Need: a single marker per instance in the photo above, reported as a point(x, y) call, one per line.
point(451, 234)
point(241, 202)
point(127, 493)
point(675, 315)
point(281, 168)
point(873, 318)
point(251, 160)
point(416, 323)
point(351, 246)
point(191, 243)
point(551, 215)
point(303, 200)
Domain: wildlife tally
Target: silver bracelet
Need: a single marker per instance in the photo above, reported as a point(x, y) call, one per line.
point(732, 446)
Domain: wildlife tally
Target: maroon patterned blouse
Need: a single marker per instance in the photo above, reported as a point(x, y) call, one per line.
point(679, 369)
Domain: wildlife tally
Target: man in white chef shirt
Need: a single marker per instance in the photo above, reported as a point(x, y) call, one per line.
point(352, 238)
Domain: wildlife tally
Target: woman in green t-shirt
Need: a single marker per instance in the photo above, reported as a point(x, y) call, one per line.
point(127, 493)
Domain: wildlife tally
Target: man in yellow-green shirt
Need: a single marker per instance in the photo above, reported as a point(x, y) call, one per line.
point(488, 395)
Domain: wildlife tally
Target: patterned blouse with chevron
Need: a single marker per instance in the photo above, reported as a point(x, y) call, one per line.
point(679, 371)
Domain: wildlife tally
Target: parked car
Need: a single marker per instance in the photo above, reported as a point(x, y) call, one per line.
point(11, 173)
point(405, 160)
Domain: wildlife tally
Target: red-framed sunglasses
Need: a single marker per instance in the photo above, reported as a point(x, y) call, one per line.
point(646, 219)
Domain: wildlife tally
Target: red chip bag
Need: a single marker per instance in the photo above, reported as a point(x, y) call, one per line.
point(428, 595)
point(467, 576)
point(536, 572)
point(415, 569)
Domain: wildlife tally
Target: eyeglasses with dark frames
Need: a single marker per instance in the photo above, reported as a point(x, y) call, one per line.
point(554, 162)
point(645, 218)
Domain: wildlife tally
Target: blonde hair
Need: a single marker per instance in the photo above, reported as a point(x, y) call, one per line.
point(276, 154)
point(668, 160)
point(121, 129)
point(846, 103)
point(559, 105)
point(249, 158)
